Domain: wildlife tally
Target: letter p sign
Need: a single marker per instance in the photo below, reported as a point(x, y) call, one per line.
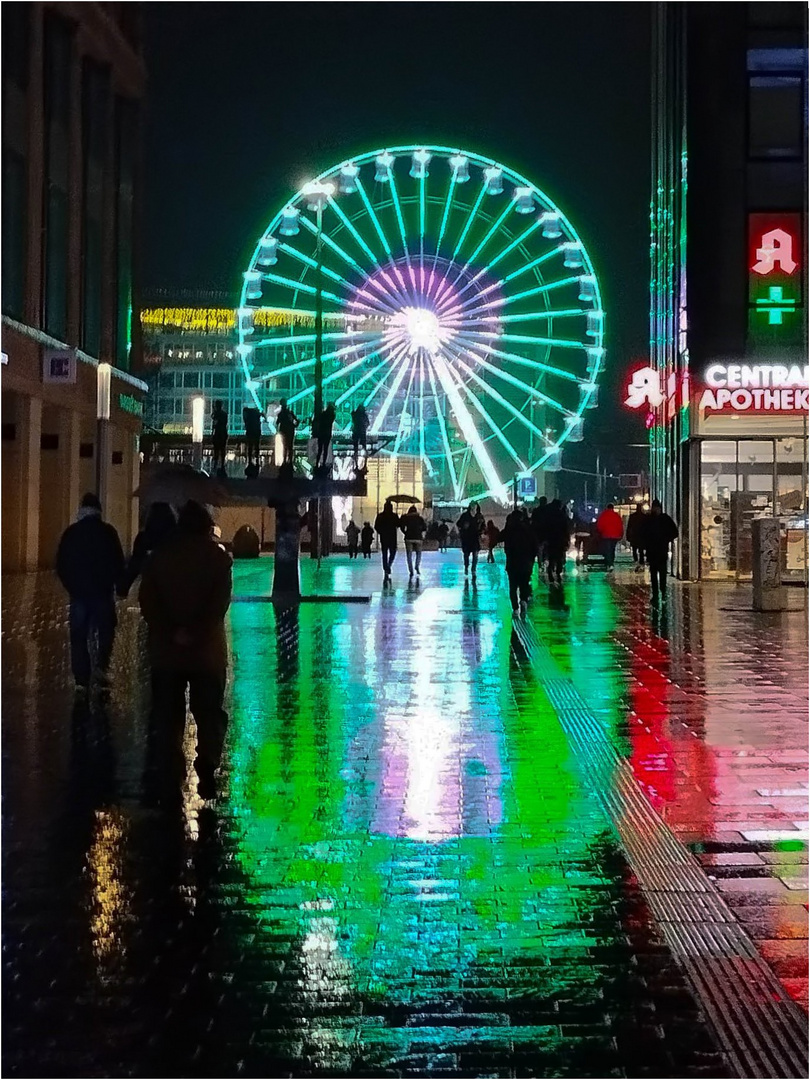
point(776, 249)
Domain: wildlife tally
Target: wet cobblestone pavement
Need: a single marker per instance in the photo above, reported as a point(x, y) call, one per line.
point(411, 871)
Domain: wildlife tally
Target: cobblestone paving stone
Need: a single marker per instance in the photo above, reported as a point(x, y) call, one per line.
point(407, 873)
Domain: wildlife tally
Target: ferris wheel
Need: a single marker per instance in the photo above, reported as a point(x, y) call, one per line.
point(457, 304)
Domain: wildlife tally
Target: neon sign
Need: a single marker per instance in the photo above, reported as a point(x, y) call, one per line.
point(774, 277)
point(644, 388)
point(776, 249)
point(756, 388)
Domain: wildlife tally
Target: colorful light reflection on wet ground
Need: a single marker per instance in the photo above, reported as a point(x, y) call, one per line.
point(411, 873)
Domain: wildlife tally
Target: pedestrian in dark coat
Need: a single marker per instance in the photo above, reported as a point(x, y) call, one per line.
point(184, 597)
point(366, 539)
point(519, 546)
point(219, 434)
point(286, 423)
point(414, 527)
point(359, 431)
point(558, 537)
point(387, 528)
point(470, 530)
point(160, 523)
point(539, 519)
point(636, 523)
point(493, 539)
point(352, 536)
point(322, 430)
point(90, 565)
point(659, 532)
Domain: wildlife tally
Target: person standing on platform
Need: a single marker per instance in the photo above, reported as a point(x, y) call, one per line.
point(219, 435)
point(322, 426)
point(658, 533)
point(90, 565)
point(359, 431)
point(352, 536)
point(611, 529)
point(470, 529)
point(539, 528)
point(185, 595)
point(253, 438)
point(558, 537)
point(519, 546)
point(286, 423)
point(635, 531)
point(493, 539)
point(366, 540)
point(414, 527)
point(387, 528)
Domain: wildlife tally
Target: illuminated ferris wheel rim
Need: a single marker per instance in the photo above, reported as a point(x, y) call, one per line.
point(430, 332)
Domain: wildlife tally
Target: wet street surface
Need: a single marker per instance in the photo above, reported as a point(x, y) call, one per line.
point(427, 857)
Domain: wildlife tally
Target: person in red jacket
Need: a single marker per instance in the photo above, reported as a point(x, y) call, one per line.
point(611, 530)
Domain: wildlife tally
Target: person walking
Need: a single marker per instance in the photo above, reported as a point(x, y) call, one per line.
point(539, 521)
point(470, 528)
point(414, 527)
point(322, 426)
point(219, 435)
point(519, 546)
point(386, 526)
point(493, 539)
point(443, 533)
point(610, 528)
point(184, 597)
point(366, 539)
point(558, 537)
point(352, 536)
point(286, 423)
point(90, 565)
point(160, 524)
point(359, 431)
point(658, 533)
point(635, 530)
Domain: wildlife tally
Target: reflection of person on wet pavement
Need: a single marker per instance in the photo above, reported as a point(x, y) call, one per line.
point(366, 540)
point(470, 529)
point(90, 565)
point(658, 533)
point(519, 545)
point(414, 528)
point(185, 594)
point(387, 528)
point(558, 537)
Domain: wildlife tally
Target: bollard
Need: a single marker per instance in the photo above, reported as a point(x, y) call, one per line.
point(769, 592)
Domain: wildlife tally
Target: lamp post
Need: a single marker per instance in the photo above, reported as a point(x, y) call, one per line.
point(103, 387)
point(197, 425)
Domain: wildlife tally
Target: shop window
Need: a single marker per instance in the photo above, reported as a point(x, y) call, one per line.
point(775, 116)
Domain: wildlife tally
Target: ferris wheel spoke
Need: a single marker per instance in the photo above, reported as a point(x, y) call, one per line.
point(539, 289)
point(531, 339)
point(300, 286)
point(525, 387)
point(313, 264)
point(534, 263)
point(510, 247)
point(494, 427)
point(468, 428)
point(357, 236)
point(402, 415)
point(310, 339)
point(400, 372)
point(375, 221)
point(516, 358)
point(299, 365)
point(448, 454)
point(422, 455)
point(445, 215)
point(341, 373)
point(470, 218)
point(490, 233)
point(330, 243)
point(559, 313)
point(363, 379)
point(392, 181)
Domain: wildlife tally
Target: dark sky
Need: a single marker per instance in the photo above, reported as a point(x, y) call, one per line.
point(248, 100)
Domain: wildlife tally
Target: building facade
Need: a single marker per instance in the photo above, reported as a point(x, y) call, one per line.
point(73, 80)
point(728, 394)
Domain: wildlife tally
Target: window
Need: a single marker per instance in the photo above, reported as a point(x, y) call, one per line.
point(191, 379)
point(57, 54)
point(221, 380)
point(775, 116)
point(95, 94)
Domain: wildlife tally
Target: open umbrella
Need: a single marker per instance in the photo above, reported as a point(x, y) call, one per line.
point(179, 484)
point(403, 499)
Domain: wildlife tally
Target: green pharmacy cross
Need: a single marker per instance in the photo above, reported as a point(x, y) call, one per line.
point(776, 305)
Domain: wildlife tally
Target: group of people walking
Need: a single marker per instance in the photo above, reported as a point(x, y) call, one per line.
point(184, 595)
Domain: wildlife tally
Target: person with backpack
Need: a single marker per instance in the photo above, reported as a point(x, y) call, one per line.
point(90, 565)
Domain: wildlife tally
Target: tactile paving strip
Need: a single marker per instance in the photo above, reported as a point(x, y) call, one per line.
point(761, 1029)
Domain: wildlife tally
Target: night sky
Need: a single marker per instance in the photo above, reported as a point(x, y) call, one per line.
point(246, 101)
